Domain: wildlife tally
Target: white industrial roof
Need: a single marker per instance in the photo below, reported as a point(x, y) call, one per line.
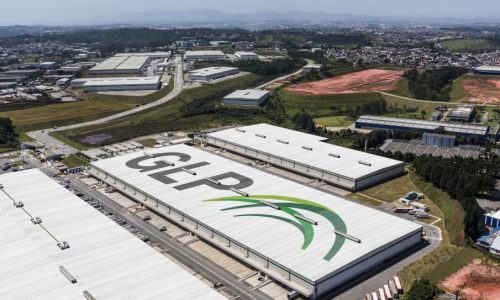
point(270, 237)
point(110, 63)
point(346, 165)
point(121, 81)
point(150, 54)
point(133, 63)
point(488, 68)
point(106, 260)
point(211, 71)
point(204, 53)
point(247, 94)
point(243, 53)
point(494, 214)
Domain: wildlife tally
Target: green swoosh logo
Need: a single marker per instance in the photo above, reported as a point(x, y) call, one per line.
point(289, 205)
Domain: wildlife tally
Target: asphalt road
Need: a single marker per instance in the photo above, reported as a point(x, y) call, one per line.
point(187, 256)
point(43, 136)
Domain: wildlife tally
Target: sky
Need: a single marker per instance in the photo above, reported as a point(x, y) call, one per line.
point(58, 12)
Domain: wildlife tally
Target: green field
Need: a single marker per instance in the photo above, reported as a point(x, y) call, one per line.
point(457, 93)
point(467, 45)
point(147, 142)
point(73, 161)
point(334, 121)
point(166, 117)
point(94, 106)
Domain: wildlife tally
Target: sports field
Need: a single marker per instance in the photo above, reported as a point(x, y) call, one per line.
point(359, 82)
point(482, 89)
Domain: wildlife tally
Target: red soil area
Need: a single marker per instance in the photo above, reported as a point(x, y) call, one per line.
point(482, 90)
point(358, 82)
point(475, 282)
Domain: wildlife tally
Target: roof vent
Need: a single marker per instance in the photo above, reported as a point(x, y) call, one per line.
point(300, 217)
point(365, 163)
point(260, 135)
point(240, 130)
point(63, 245)
point(189, 171)
point(239, 192)
point(283, 141)
point(18, 204)
point(67, 274)
point(149, 154)
point(88, 295)
point(307, 148)
point(349, 237)
point(334, 155)
point(1, 186)
point(212, 180)
point(36, 220)
point(270, 204)
point(168, 162)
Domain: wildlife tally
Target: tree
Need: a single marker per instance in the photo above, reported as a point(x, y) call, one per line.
point(304, 122)
point(423, 289)
point(423, 113)
point(8, 134)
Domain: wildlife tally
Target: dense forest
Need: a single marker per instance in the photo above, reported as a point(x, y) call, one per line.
point(463, 179)
point(433, 84)
point(8, 135)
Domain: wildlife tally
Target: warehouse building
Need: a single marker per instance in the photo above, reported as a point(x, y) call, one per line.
point(399, 124)
point(492, 219)
point(308, 154)
point(117, 84)
point(248, 213)
point(131, 64)
point(212, 73)
point(157, 54)
point(240, 55)
point(438, 140)
point(53, 245)
point(462, 113)
point(487, 70)
point(247, 97)
point(204, 55)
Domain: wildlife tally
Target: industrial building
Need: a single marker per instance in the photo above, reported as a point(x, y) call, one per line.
point(247, 97)
point(438, 140)
point(131, 64)
point(399, 124)
point(487, 70)
point(240, 55)
point(157, 54)
point(211, 73)
point(53, 245)
point(117, 84)
point(307, 154)
point(492, 219)
point(247, 213)
point(204, 55)
point(462, 113)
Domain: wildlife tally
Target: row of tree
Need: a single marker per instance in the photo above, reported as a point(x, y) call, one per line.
point(261, 68)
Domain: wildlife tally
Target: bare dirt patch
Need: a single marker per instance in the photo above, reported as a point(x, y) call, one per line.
point(358, 82)
point(475, 281)
point(482, 90)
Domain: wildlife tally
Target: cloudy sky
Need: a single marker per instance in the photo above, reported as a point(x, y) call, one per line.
point(86, 11)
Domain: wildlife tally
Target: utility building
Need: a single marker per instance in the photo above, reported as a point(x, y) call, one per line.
point(438, 140)
point(53, 245)
point(308, 154)
point(117, 84)
point(254, 216)
point(247, 97)
point(246, 55)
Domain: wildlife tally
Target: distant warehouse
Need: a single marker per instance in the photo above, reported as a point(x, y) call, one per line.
point(117, 84)
point(248, 213)
point(399, 124)
point(246, 55)
point(126, 63)
point(211, 73)
point(204, 55)
point(308, 154)
point(487, 70)
point(247, 97)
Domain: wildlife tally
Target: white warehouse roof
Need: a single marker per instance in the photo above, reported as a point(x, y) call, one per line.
point(204, 53)
point(247, 94)
point(289, 144)
point(211, 71)
point(105, 259)
point(120, 81)
point(314, 254)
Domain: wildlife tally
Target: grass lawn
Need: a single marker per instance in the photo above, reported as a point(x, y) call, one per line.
point(457, 93)
point(402, 89)
point(147, 142)
point(391, 190)
point(463, 257)
point(467, 45)
point(334, 121)
point(73, 161)
point(166, 117)
point(324, 105)
point(398, 104)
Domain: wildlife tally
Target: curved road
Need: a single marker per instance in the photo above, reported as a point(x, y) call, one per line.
point(50, 142)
